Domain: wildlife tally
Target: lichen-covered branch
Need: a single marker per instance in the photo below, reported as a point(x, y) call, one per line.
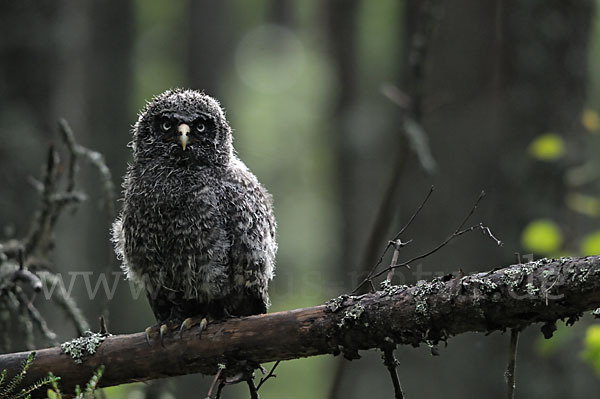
point(426, 313)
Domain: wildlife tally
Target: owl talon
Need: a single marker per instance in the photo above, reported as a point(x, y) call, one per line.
point(163, 332)
point(147, 333)
point(186, 325)
point(203, 324)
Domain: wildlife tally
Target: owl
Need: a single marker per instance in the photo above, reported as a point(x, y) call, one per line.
point(197, 229)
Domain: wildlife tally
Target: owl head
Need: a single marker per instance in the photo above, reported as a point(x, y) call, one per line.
point(183, 126)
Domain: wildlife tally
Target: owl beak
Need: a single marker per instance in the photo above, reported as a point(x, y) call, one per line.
point(184, 130)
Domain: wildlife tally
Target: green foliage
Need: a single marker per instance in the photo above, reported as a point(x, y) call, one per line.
point(563, 336)
point(92, 384)
point(542, 236)
point(9, 391)
point(87, 393)
point(547, 147)
point(591, 351)
point(591, 244)
point(54, 392)
point(584, 204)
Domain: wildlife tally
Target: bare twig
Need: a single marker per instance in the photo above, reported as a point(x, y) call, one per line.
point(216, 380)
point(457, 233)
point(27, 327)
point(252, 388)
point(103, 327)
point(63, 199)
point(417, 136)
point(220, 389)
point(391, 363)
point(69, 139)
point(512, 363)
point(61, 297)
point(397, 245)
point(385, 214)
point(37, 317)
point(484, 229)
point(397, 96)
point(24, 275)
point(32, 252)
point(369, 278)
point(96, 159)
point(270, 375)
point(41, 224)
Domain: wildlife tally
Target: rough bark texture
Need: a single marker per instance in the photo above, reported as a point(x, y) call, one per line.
point(429, 312)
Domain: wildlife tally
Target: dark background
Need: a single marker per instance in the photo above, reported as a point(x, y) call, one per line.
point(502, 94)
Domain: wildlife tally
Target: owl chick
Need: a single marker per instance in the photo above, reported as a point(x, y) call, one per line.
point(197, 228)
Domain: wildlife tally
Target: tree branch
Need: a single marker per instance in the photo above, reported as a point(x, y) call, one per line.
point(429, 312)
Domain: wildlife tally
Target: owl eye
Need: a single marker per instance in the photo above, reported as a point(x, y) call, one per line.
point(166, 125)
point(200, 127)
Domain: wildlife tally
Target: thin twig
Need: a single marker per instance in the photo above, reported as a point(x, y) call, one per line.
point(270, 375)
point(414, 215)
point(214, 384)
point(42, 221)
point(37, 317)
point(385, 214)
point(24, 275)
point(63, 199)
point(27, 326)
point(252, 388)
point(103, 327)
point(61, 297)
point(369, 277)
point(220, 389)
point(391, 363)
point(457, 233)
point(69, 139)
point(512, 363)
point(397, 245)
point(97, 160)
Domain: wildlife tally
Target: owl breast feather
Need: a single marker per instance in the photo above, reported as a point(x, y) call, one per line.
point(176, 235)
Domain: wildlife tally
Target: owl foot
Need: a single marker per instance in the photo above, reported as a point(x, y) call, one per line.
point(162, 331)
point(187, 324)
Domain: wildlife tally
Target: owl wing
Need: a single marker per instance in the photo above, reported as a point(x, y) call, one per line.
point(252, 256)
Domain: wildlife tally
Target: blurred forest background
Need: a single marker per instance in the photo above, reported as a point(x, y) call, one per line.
point(347, 111)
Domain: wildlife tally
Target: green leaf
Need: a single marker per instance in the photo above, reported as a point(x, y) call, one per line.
point(591, 350)
point(542, 236)
point(547, 147)
point(584, 204)
point(591, 244)
point(560, 339)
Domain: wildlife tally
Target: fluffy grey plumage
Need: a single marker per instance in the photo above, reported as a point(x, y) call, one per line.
point(197, 228)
